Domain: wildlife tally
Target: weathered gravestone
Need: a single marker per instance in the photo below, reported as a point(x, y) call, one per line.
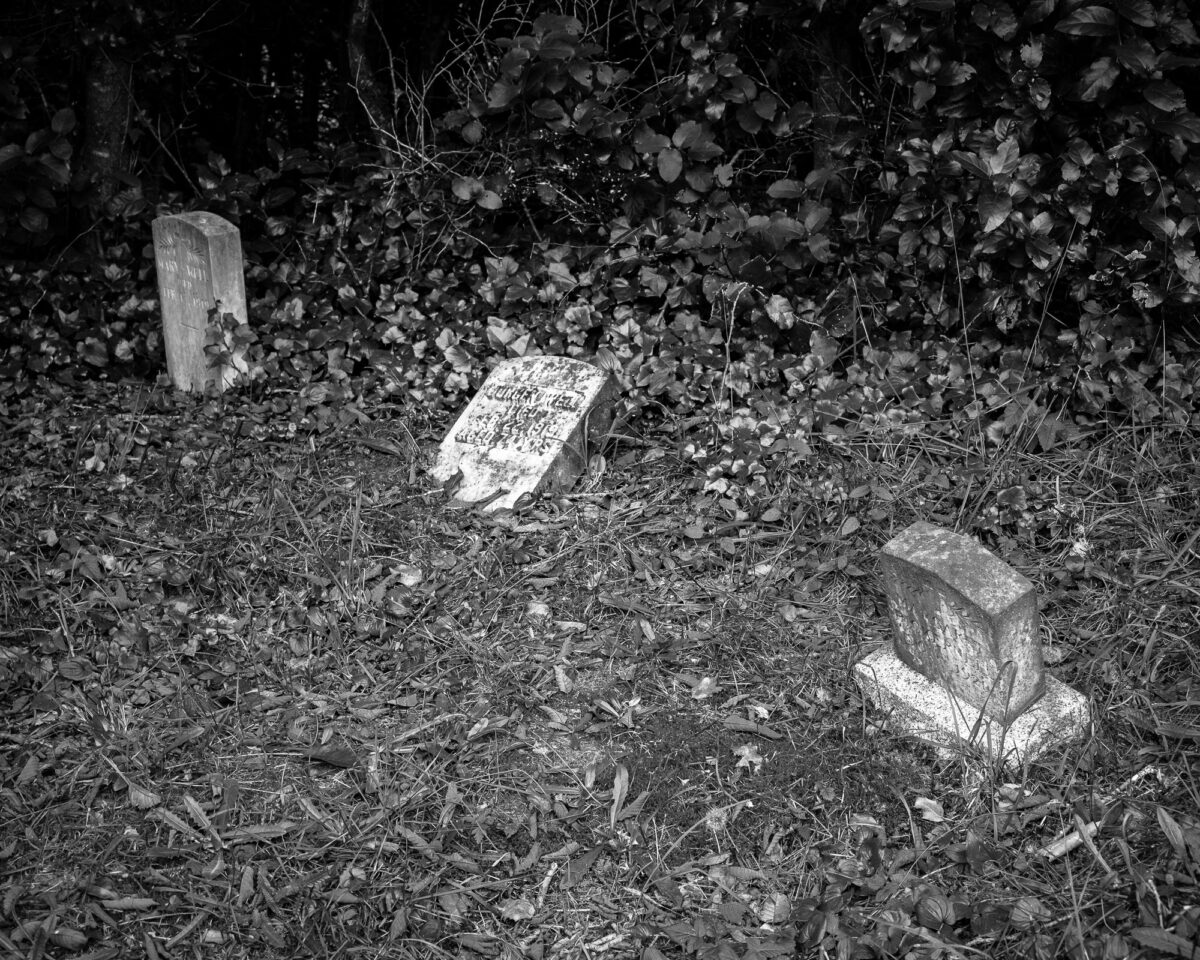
point(966, 662)
point(198, 257)
point(527, 430)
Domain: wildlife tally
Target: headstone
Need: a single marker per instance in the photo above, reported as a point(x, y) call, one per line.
point(198, 257)
point(527, 430)
point(966, 661)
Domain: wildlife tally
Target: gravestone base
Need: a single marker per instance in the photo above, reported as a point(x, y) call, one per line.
point(923, 708)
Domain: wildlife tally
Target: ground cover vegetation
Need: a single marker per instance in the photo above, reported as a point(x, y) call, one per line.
point(267, 692)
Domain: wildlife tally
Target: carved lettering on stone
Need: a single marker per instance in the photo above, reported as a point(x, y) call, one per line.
point(198, 258)
point(528, 429)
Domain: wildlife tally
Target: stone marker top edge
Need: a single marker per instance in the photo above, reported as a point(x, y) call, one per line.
point(985, 579)
point(210, 224)
point(570, 365)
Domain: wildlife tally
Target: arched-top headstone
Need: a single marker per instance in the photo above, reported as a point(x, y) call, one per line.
point(527, 430)
point(198, 257)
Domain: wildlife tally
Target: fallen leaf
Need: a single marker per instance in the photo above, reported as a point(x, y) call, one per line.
point(931, 810)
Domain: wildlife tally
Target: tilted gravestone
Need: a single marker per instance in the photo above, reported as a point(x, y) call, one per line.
point(966, 662)
point(527, 430)
point(198, 257)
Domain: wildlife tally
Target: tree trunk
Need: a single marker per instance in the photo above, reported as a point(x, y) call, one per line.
point(362, 79)
point(107, 109)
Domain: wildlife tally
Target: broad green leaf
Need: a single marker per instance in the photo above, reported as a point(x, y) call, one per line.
point(820, 248)
point(1137, 56)
point(785, 189)
point(64, 121)
point(1166, 96)
point(489, 200)
point(686, 134)
point(1090, 21)
point(1168, 943)
point(501, 94)
point(34, 220)
point(994, 209)
point(1186, 127)
point(781, 313)
point(765, 106)
point(646, 140)
point(971, 163)
point(1038, 10)
point(1140, 12)
point(1097, 78)
point(922, 93)
point(670, 164)
point(699, 178)
point(557, 47)
point(464, 188)
point(472, 132)
point(1003, 159)
point(954, 73)
point(547, 109)
point(514, 61)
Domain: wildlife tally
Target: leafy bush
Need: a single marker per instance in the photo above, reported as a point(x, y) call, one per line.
point(968, 217)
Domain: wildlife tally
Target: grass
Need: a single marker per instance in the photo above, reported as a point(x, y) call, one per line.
point(268, 694)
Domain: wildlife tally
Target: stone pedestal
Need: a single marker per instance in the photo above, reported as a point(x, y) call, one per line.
point(198, 257)
point(529, 429)
point(966, 662)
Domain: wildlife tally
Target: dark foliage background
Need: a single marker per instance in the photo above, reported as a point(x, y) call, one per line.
point(776, 217)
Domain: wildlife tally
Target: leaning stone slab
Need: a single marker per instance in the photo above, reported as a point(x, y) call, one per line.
point(966, 661)
point(527, 430)
point(198, 257)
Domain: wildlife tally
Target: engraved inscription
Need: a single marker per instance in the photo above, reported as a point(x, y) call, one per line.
point(526, 418)
point(186, 281)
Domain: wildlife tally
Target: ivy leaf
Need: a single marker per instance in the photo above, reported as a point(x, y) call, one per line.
point(1166, 96)
point(34, 220)
point(994, 209)
point(670, 164)
point(1097, 78)
point(1092, 21)
point(489, 200)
